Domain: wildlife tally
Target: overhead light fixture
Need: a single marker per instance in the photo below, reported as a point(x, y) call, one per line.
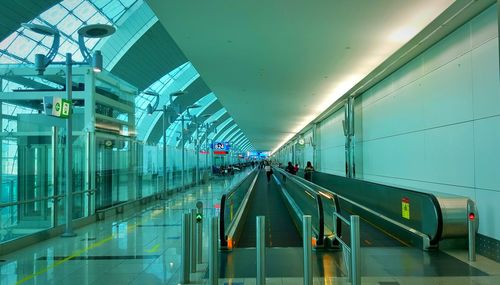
point(97, 61)
point(95, 31)
point(149, 109)
point(41, 60)
point(176, 94)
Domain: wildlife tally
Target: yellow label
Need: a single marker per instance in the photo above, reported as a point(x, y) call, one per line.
point(405, 210)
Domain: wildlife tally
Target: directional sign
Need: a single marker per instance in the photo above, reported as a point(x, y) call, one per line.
point(66, 107)
point(199, 217)
point(56, 106)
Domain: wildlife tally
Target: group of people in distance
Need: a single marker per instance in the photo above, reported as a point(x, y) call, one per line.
point(308, 170)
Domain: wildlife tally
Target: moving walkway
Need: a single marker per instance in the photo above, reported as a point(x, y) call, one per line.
point(287, 198)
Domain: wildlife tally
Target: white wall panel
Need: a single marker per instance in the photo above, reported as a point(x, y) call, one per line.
point(332, 141)
point(333, 160)
point(423, 186)
point(451, 47)
point(486, 87)
point(487, 153)
point(409, 73)
point(397, 156)
point(331, 130)
point(449, 155)
point(484, 27)
point(448, 94)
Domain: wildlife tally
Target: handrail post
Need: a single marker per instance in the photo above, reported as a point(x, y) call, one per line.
point(355, 251)
point(261, 250)
point(306, 239)
point(471, 229)
point(185, 244)
point(199, 227)
point(192, 241)
point(213, 264)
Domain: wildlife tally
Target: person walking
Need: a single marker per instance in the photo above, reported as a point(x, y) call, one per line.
point(308, 171)
point(296, 168)
point(269, 171)
point(290, 168)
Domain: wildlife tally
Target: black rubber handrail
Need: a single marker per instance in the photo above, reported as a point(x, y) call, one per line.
point(222, 234)
point(222, 230)
point(321, 221)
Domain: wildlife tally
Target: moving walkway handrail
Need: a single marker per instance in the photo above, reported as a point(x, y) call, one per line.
point(239, 212)
point(321, 216)
point(325, 192)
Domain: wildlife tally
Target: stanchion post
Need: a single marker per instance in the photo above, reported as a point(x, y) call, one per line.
point(199, 225)
point(185, 244)
point(355, 251)
point(471, 229)
point(307, 243)
point(192, 241)
point(213, 264)
point(261, 250)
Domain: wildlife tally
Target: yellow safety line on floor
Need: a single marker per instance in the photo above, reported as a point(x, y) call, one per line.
point(59, 262)
point(130, 228)
point(154, 248)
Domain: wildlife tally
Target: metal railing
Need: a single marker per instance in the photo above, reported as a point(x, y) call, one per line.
point(353, 260)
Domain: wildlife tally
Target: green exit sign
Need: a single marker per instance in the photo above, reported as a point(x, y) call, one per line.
point(57, 107)
point(66, 108)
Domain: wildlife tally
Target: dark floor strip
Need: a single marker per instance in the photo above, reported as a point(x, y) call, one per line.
point(388, 283)
point(164, 225)
point(87, 239)
point(100, 257)
point(267, 201)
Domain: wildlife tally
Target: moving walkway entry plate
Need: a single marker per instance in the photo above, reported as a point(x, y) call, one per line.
point(405, 208)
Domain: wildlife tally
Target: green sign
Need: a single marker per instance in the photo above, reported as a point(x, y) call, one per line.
point(66, 108)
point(61, 108)
point(199, 217)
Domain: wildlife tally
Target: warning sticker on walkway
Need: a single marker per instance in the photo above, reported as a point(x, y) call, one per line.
point(405, 208)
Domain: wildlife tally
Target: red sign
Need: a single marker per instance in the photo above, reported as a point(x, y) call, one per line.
point(220, 152)
point(203, 152)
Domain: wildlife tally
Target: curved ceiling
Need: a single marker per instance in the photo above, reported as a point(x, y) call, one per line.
point(276, 65)
point(20, 11)
point(149, 58)
point(140, 52)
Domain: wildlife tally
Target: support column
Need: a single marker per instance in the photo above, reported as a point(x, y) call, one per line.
point(68, 232)
point(164, 148)
point(348, 125)
point(183, 153)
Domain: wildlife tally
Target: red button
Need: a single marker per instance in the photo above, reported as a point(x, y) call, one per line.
point(472, 216)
